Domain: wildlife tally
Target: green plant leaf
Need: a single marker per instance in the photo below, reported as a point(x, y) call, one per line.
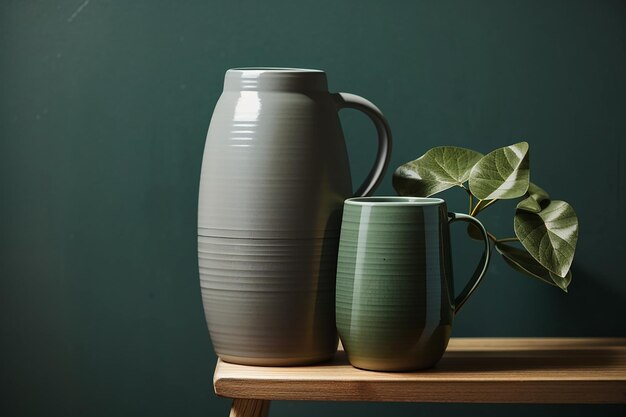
point(437, 170)
point(474, 232)
point(523, 262)
point(550, 236)
point(536, 201)
point(502, 173)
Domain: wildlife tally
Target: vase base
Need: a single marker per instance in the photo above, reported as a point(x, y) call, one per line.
point(299, 361)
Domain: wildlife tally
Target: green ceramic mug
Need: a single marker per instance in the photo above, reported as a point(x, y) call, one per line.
point(395, 296)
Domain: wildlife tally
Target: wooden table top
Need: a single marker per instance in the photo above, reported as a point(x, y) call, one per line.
point(473, 370)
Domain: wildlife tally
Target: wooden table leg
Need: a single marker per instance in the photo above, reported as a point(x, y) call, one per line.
point(249, 408)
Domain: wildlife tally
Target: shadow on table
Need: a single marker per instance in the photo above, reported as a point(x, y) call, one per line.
point(519, 360)
point(580, 354)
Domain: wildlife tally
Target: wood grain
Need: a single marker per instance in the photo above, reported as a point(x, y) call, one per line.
point(473, 370)
point(249, 408)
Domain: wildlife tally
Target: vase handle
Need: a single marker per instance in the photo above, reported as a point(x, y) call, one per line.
point(352, 101)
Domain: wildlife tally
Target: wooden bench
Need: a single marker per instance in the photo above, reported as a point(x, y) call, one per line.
point(473, 370)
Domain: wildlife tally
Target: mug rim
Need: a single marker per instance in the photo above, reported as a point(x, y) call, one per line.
point(394, 201)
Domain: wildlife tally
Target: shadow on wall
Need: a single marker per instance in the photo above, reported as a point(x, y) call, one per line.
point(578, 313)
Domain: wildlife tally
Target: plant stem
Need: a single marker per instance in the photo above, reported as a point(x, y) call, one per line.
point(508, 239)
point(471, 201)
point(492, 237)
point(480, 206)
point(476, 208)
point(489, 203)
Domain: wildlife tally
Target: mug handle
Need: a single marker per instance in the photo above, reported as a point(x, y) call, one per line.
point(471, 286)
point(352, 101)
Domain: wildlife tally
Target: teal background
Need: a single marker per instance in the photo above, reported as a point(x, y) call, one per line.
point(104, 107)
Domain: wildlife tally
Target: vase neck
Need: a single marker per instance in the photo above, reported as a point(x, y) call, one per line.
point(275, 79)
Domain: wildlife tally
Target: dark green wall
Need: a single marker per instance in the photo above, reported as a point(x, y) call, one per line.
point(104, 107)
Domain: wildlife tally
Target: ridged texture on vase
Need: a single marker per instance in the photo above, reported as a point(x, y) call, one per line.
point(269, 302)
point(275, 163)
point(394, 286)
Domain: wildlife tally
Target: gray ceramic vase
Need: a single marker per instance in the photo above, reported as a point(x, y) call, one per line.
point(274, 177)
